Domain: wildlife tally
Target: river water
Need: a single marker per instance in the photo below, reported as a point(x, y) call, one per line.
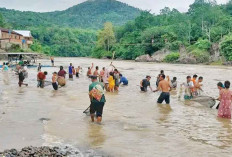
point(133, 124)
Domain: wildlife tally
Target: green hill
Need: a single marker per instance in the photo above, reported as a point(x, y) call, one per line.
point(90, 14)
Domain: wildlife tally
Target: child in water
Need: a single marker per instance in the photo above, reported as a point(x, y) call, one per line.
point(111, 82)
point(54, 81)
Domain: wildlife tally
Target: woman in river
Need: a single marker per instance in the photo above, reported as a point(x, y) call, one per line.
point(111, 81)
point(224, 110)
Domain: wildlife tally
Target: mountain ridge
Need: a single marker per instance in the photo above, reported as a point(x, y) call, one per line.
point(89, 14)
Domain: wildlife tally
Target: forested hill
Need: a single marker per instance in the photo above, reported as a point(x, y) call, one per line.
point(90, 14)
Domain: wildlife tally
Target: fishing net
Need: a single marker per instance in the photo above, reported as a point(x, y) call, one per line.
point(205, 101)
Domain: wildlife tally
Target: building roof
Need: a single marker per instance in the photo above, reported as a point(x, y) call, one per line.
point(11, 31)
point(24, 33)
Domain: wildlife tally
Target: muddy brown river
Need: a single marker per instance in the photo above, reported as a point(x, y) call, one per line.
point(133, 124)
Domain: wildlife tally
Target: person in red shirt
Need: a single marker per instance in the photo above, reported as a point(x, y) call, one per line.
point(62, 72)
point(41, 76)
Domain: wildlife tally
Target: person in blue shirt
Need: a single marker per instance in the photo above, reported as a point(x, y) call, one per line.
point(123, 80)
point(70, 71)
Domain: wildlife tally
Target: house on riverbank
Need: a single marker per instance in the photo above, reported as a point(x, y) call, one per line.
point(9, 37)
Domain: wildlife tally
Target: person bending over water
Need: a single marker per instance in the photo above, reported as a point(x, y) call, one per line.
point(164, 86)
point(224, 110)
point(41, 76)
point(21, 77)
point(97, 99)
point(54, 81)
point(145, 83)
point(123, 80)
point(174, 83)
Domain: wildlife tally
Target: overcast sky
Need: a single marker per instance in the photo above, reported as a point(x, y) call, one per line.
point(51, 5)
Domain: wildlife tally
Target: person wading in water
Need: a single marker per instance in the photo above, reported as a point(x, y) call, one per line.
point(164, 86)
point(97, 99)
point(145, 83)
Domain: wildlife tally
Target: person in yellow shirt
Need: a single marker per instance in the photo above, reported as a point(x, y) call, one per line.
point(111, 82)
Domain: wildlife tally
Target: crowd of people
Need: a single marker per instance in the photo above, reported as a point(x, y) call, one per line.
point(109, 79)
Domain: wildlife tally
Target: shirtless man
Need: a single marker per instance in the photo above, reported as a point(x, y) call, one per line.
point(95, 73)
point(78, 71)
point(54, 81)
point(89, 72)
point(164, 85)
point(102, 73)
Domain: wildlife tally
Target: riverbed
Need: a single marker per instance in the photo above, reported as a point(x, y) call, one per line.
point(133, 124)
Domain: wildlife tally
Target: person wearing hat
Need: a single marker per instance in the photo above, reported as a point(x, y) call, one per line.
point(97, 99)
point(54, 81)
point(145, 83)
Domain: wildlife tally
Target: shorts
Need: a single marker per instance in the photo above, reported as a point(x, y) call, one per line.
point(164, 96)
point(20, 83)
point(77, 74)
point(70, 75)
point(55, 86)
point(40, 83)
point(97, 107)
point(186, 97)
point(116, 83)
point(125, 83)
point(143, 89)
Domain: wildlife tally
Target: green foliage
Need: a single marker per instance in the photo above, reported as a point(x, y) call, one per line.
point(226, 47)
point(14, 48)
point(203, 44)
point(63, 41)
point(201, 56)
point(2, 22)
point(172, 57)
point(90, 14)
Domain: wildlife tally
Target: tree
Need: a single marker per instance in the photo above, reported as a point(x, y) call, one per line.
point(106, 37)
point(2, 22)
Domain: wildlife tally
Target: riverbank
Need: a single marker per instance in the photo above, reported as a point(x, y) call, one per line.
point(66, 151)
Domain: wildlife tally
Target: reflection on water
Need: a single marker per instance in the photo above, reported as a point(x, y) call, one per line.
point(96, 135)
point(133, 124)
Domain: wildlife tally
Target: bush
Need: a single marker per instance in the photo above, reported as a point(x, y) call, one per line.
point(172, 57)
point(203, 44)
point(226, 47)
point(201, 56)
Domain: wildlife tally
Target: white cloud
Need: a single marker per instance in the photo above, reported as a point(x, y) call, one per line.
point(51, 5)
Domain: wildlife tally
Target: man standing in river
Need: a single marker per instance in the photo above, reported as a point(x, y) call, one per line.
point(97, 99)
point(164, 85)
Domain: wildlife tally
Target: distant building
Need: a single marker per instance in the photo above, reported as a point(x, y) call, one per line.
point(19, 37)
point(28, 39)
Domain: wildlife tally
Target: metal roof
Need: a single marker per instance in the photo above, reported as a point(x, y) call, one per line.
point(24, 33)
point(8, 30)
